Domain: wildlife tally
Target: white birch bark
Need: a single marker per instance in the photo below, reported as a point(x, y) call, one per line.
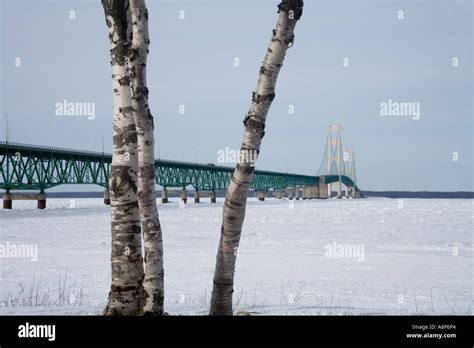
point(290, 12)
point(126, 258)
point(153, 283)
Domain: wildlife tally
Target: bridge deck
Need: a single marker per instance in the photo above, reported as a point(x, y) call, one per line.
point(33, 167)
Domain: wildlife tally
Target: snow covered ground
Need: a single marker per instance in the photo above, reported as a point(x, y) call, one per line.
point(410, 256)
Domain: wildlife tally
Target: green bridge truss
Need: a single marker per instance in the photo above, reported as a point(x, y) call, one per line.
point(32, 167)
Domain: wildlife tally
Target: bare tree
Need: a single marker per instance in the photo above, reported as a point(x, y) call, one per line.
point(290, 12)
point(126, 259)
point(153, 283)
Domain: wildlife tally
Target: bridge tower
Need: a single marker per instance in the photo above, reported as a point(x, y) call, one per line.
point(347, 169)
point(334, 147)
point(352, 173)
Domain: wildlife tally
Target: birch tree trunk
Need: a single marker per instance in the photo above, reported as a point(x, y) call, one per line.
point(126, 259)
point(290, 12)
point(153, 283)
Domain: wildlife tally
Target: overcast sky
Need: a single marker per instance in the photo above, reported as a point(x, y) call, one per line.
point(191, 63)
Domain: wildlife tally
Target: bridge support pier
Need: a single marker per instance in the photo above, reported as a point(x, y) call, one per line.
point(184, 196)
point(213, 196)
point(261, 195)
point(278, 194)
point(315, 191)
point(164, 196)
point(309, 192)
point(290, 193)
point(339, 188)
point(7, 201)
point(323, 188)
point(297, 193)
point(196, 197)
point(304, 192)
point(41, 201)
point(106, 197)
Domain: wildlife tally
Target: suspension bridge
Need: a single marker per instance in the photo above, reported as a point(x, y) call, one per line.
point(25, 167)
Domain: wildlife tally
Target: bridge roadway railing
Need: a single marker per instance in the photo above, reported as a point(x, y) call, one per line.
point(33, 167)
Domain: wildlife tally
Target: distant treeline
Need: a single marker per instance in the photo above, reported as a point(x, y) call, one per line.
point(418, 194)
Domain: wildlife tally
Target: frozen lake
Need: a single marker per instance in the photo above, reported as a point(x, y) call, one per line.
point(366, 256)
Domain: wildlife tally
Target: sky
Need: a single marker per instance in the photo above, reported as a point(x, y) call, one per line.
point(348, 58)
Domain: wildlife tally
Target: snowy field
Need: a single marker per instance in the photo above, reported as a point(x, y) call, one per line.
point(366, 256)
